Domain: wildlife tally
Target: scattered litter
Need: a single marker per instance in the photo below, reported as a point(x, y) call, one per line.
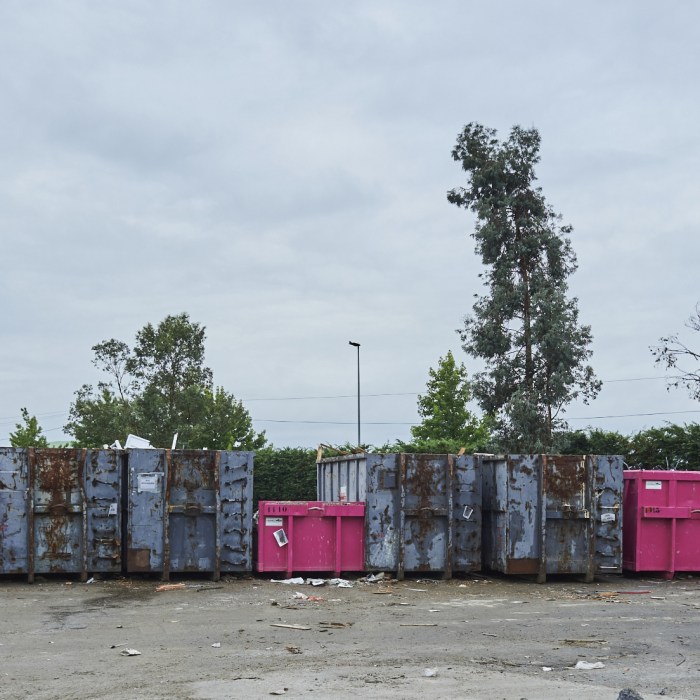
point(130, 652)
point(279, 692)
point(418, 590)
point(589, 665)
point(90, 580)
point(373, 578)
point(69, 583)
point(546, 669)
point(657, 597)
point(315, 599)
point(217, 645)
point(336, 624)
point(170, 587)
point(340, 583)
point(434, 610)
point(583, 642)
point(418, 624)
point(207, 588)
point(297, 581)
point(120, 627)
point(116, 646)
point(489, 634)
point(316, 581)
point(300, 596)
point(290, 627)
point(383, 591)
point(293, 650)
point(632, 592)
point(430, 673)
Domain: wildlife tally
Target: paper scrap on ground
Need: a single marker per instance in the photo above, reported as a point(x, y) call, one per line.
point(589, 665)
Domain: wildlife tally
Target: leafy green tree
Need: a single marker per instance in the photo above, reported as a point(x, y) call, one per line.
point(159, 388)
point(593, 441)
point(669, 447)
point(225, 422)
point(28, 433)
point(524, 328)
point(444, 408)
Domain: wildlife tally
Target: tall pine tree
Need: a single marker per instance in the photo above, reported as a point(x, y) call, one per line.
point(525, 328)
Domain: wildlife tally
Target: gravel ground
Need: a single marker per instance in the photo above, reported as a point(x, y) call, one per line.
point(473, 638)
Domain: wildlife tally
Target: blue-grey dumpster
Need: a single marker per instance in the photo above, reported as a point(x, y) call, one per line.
point(552, 514)
point(189, 511)
point(423, 512)
point(60, 511)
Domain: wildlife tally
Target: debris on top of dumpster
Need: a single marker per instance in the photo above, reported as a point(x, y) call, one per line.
point(134, 441)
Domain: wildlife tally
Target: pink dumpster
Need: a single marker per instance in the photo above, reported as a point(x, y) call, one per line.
point(661, 521)
point(311, 536)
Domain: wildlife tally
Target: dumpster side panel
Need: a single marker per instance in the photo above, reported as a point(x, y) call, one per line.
point(567, 500)
point(13, 511)
point(552, 514)
point(427, 521)
point(236, 511)
point(58, 497)
point(103, 485)
point(147, 475)
point(192, 510)
point(608, 483)
point(662, 521)
point(382, 516)
point(310, 536)
point(467, 518)
point(519, 495)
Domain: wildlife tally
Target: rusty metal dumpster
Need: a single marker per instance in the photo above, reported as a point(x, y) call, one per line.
point(60, 511)
point(423, 512)
point(189, 511)
point(310, 536)
point(662, 521)
point(552, 514)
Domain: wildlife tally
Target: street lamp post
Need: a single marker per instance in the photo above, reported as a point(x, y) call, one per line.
point(357, 345)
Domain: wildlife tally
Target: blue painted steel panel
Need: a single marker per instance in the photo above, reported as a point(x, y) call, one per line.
point(14, 495)
point(189, 511)
point(59, 511)
point(552, 514)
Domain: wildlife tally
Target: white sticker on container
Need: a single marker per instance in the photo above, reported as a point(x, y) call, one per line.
point(468, 512)
point(148, 482)
point(273, 522)
point(281, 537)
point(607, 517)
point(112, 509)
point(653, 485)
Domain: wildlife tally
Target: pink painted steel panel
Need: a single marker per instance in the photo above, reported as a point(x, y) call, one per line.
point(311, 536)
point(661, 521)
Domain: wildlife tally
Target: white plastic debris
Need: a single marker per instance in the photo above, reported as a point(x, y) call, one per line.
point(90, 580)
point(137, 442)
point(430, 673)
point(297, 581)
point(217, 645)
point(373, 578)
point(300, 596)
point(316, 581)
point(546, 668)
point(340, 583)
point(130, 652)
point(589, 665)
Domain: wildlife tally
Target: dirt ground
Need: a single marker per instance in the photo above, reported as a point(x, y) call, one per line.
point(475, 638)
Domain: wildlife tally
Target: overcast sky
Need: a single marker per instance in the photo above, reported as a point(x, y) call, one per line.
point(279, 172)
